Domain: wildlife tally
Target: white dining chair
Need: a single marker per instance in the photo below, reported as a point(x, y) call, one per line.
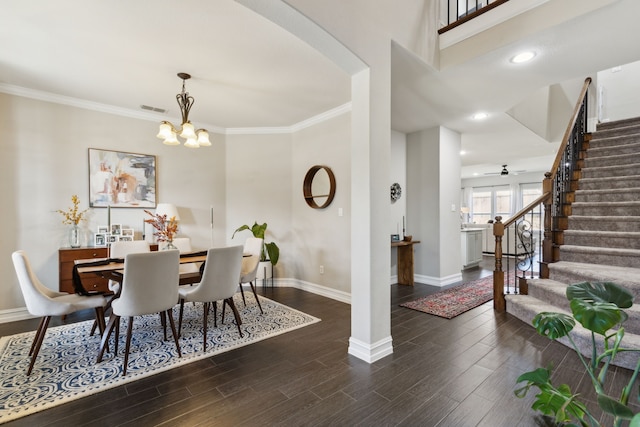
point(183, 244)
point(218, 283)
point(120, 250)
point(252, 247)
point(44, 302)
point(149, 285)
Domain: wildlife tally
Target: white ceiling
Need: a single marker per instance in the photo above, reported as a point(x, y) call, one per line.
point(248, 72)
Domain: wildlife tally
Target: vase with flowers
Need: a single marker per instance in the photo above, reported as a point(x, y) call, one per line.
point(73, 216)
point(166, 228)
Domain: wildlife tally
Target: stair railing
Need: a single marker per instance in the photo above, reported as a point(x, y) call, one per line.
point(537, 230)
point(461, 11)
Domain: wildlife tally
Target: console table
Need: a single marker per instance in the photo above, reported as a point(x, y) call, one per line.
point(405, 261)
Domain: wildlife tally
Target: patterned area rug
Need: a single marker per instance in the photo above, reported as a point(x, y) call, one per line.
point(65, 369)
point(456, 300)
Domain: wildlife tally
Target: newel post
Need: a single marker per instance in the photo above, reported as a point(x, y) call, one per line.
point(499, 303)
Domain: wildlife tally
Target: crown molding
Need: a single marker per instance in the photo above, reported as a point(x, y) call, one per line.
point(144, 115)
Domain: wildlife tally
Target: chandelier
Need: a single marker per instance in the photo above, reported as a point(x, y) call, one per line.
point(194, 138)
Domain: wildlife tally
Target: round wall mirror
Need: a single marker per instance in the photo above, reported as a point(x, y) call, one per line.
point(319, 187)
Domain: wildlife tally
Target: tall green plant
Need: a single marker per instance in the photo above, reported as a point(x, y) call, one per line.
point(268, 249)
point(598, 308)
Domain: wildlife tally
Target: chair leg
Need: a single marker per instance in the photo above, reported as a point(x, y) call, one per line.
point(205, 319)
point(215, 314)
point(242, 292)
point(180, 317)
point(173, 329)
point(235, 313)
point(42, 331)
point(253, 288)
point(127, 347)
point(163, 321)
point(113, 321)
point(223, 307)
point(37, 336)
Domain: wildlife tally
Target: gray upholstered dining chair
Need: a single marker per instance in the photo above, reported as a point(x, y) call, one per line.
point(149, 285)
point(252, 247)
point(219, 282)
point(44, 302)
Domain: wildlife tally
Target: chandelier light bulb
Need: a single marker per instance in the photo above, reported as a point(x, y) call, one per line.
point(168, 132)
point(203, 138)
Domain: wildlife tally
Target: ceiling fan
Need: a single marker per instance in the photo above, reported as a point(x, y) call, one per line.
point(504, 172)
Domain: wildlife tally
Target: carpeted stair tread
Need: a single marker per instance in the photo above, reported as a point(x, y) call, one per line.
point(612, 160)
point(526, 307)
point(618, 124)
point(555, 293)
point(622, 257)
point(604, 223)
point(576, 272)
point(605, 239)
point(603, 183)
point(618, 171)
point(608, 195)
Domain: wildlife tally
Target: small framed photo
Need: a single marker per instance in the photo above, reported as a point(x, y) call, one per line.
point(125, 239)
point(395, 237)
point(116, 229)
point(112, 238)
point(128, 232)
point(100, 239)
point(104, 229)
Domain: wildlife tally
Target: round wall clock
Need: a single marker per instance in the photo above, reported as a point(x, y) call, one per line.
point(396, 191)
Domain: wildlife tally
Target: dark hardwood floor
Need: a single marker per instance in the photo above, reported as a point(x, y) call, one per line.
point(458, 372)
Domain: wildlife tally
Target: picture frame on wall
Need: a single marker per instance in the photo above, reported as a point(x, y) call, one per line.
point(111, 238)
point(121, 180)
point(116, 229)
point(125, 239)
point(103, 229)
point(100, 239)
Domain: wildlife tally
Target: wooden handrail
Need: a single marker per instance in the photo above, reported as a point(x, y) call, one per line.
point(567, 133)
point(522, 212)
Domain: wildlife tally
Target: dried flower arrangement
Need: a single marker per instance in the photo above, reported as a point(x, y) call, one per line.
point(72, 215)
point(167, 228)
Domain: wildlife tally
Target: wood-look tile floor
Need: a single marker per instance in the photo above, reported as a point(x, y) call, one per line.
point(458, 372)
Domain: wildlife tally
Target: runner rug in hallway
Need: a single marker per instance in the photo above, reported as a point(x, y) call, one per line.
point(65, 369)
point(455, 301)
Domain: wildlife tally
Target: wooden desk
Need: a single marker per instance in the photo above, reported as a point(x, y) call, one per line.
point(405, 261)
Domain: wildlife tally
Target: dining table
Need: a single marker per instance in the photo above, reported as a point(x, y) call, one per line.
point(113, 269)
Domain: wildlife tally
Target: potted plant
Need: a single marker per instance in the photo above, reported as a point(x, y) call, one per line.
point(270, 251)
point(598, 308)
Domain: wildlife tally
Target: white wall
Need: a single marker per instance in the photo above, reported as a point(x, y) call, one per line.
point(320, 237)
point(43, 162)
point(620, 89)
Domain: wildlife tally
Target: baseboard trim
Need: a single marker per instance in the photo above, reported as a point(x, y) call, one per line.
point(370, 352)
point(439, 281)
point(14, 315)
point(311, 287)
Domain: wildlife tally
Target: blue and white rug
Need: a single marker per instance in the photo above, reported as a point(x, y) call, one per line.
point(65, 369)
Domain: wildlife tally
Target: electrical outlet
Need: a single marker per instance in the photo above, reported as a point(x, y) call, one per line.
point(322, 269)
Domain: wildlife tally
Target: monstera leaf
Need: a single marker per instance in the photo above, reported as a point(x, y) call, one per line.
point(600, 292)
point(598, 317)
point(553, 325)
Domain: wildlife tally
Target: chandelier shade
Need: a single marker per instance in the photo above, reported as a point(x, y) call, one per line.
point(168, 132)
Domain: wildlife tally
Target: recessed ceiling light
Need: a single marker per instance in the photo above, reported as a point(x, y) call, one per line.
point(523, 57)
point(462, 152)
point(480, 116)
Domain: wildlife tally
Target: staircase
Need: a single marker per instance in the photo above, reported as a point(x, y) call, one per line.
point(602, 242)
